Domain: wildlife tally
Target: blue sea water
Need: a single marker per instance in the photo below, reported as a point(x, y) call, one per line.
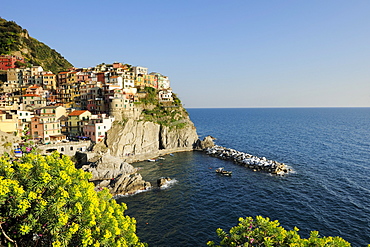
point(329, 190)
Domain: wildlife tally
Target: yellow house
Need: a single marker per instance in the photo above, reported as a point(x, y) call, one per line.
point(54, 111)
point(9, 123)
point(49, 80)
point(76, 120)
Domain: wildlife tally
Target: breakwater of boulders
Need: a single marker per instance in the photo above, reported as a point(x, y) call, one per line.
point(247, 160)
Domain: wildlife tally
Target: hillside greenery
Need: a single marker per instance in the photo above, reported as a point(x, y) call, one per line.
point(14, 40)
point(46, 201)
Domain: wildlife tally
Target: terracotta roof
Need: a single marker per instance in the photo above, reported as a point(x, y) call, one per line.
point(31, 95)
point(77, 112)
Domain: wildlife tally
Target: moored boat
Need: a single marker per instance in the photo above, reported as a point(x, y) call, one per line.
point(223, 172)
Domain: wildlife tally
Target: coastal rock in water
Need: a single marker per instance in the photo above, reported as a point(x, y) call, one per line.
point(119, 177)
point(162, 181)
point(206, 143)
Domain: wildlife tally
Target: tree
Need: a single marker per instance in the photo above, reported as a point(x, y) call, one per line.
point(46, 201)
point(263, 232)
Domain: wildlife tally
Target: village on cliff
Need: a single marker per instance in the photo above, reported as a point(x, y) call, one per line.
point(80, 103)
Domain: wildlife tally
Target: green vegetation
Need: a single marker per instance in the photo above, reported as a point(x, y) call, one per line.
point(170, 114)
point(263, 232)
point(15, 40)
point(46, 201)
point(9, 36)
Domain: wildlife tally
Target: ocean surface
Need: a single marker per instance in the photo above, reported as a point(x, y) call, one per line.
point(329, 190)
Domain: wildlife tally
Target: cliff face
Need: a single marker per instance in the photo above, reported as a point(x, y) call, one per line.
point(147, 139)
point(153, 128)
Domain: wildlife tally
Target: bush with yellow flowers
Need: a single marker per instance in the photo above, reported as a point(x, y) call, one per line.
point(263, 232)
point(46, 201)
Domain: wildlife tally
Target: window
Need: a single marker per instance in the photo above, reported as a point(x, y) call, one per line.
point(71, 148)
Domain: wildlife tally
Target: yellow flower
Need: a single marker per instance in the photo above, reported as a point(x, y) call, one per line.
point(25, 229)
point(45, 165)
point(63, 192)
point(25, 166)
point(4, 186)
point(17, 189)
point(43, 202)
point(79, 207)
point(46, 178)
point(32, 195)
point(107, 234)
point(74, 228)
point(23, 205)
point(57, 244)
point(63, 218)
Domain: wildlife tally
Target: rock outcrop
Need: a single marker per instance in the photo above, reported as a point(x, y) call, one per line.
point(119, 177)
point(206, 143)
point(139, 140)
point(7, 141)
point(162, 181)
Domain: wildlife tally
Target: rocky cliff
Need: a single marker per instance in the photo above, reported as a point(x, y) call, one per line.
point(155, 129)
point(138, 140)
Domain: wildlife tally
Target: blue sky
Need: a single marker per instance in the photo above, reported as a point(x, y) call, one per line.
point(219, 53)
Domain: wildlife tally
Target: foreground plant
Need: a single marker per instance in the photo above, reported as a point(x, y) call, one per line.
point(263, 232)
point(46, 201)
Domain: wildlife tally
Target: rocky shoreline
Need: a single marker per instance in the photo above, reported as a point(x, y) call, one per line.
point(117, 174)
point(247, 160)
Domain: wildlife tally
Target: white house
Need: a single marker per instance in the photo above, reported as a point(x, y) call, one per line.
point(97, 127)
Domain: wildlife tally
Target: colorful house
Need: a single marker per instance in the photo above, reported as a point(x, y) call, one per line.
point(10, 61)
point(76, 120)
point(46, 129)
point(9, 123)
point(97, 127)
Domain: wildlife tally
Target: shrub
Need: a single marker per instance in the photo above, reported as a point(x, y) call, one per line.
point(46, 201)
point(263, 232)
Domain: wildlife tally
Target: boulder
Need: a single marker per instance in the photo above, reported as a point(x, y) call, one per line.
point(162, 181)
point(119, 177)
point(206, 143)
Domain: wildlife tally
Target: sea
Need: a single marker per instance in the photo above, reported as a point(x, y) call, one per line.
point(328, 190)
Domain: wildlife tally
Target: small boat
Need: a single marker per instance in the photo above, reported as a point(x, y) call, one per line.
point(152, 160)
point(161, 158)
point(223, 172)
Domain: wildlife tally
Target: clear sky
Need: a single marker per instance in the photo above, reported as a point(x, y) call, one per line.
point(231, 53)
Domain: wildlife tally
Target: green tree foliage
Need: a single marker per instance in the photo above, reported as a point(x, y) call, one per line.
point(46, 201)
point(263, 232)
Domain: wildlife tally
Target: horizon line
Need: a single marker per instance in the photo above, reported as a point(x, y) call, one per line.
point(270, 107)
